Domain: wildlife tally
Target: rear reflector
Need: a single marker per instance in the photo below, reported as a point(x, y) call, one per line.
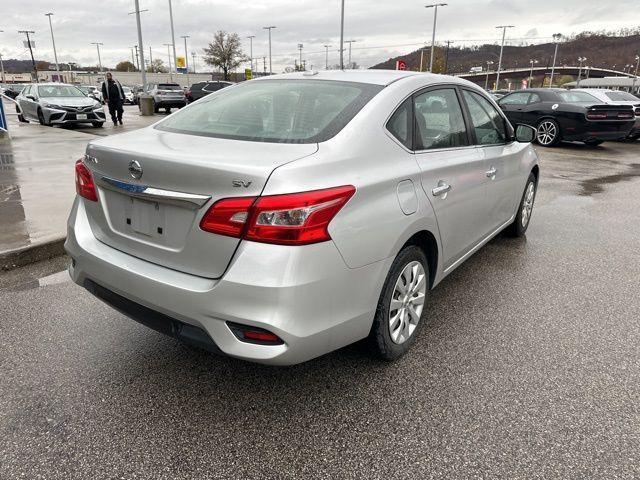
point(291, 219)
point(248, 334)
point(84, 182)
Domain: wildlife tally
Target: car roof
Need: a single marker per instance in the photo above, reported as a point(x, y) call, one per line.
point(375, 77)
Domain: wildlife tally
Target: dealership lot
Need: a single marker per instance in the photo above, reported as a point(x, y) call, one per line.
point(528, 368)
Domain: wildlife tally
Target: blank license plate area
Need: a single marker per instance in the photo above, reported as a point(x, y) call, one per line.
point(81, 116)
point(145, 217)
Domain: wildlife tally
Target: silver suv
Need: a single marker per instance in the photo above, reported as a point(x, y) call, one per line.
point(281, 218)
point(166, 95)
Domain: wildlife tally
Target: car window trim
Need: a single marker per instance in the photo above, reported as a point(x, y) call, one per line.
point(441, 86)
point(507, 131)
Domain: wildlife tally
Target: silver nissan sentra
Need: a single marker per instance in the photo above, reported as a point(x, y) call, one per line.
point(282, 218)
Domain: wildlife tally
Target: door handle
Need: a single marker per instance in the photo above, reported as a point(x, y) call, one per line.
point(441, 189)
point(491, 173)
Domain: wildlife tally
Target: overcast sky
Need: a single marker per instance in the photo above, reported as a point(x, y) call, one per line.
point(381, 28)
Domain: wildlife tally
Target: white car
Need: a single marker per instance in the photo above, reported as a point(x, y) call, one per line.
point(128, 95)
point(618, 97)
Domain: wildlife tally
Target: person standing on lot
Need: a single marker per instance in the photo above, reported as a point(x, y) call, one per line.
point(113, 94)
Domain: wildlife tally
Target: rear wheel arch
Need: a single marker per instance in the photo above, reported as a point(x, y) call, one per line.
point(426, 241)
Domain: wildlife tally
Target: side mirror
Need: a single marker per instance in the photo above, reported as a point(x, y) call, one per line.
point(31, 97)
point(525, 133)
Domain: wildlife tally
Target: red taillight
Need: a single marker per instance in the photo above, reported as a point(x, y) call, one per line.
point(626, 115)
point(596, 115)
point(84, 182)
point(291, 219)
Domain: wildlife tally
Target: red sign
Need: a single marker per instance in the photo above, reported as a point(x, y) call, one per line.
point(524, 83)
point(401, 65)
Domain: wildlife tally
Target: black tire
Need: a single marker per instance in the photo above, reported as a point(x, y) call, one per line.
point(167, 111)
point(97, 124)
point(593, 143)
point(41, 118)
point(380, 340)
point(548, 133)
point(518, 228)
point(156, 109)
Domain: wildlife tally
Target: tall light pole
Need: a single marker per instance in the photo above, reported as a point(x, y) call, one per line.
point(433, 34)
point(342, 36)
point(251, 37)
point(556, 39)
point(33, 62)
point(186, 54)
point(531, 62)
point(326, 57)
point(270, 64)
point(2, 64)
point(193, 56)
point(143, 71)
point(580, 60)
point(504, 31)
point(486, 80)
point(349, 42)
point(300, 46)
point(97, 44)
point(173, 39)
point(633, 87)
point(53, 41)
point(168, 45)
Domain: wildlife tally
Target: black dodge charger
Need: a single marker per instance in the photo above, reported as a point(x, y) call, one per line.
point(559, 114)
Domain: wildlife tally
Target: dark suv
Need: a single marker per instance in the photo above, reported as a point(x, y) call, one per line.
point(202, 89)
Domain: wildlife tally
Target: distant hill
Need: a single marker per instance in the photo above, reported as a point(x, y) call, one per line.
point(602, 49)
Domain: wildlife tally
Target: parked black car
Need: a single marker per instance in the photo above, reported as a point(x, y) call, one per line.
point(13, 90)
point(202, 89)
point(559, 114)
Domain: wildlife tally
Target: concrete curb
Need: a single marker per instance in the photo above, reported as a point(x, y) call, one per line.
point(31, 254)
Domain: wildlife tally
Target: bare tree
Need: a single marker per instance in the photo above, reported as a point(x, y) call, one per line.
point(225, 52)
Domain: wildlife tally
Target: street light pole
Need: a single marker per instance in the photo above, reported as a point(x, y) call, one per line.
point(270, 64)
point(556, 39)
point(504, 31)
point(186, 55)
point(581, 60)
point(300, 46)
point(97, 44)
point(349, 42)
point(342, 36)
point(433, 34)
point(173, 39)
point(326, 57)
point(251, 37)
point(2, 66)
point(53, 41)
point(168, 45)
point(531, 62)
point(635, 77)
point(143, 71)
point(193, 56)
point(486, 81)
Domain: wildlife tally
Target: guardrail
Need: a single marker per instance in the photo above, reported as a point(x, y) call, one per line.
point(4, 127)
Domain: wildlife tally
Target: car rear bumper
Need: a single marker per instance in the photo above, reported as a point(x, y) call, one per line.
point(164, 103)
point(599, 131)
point(305, 295)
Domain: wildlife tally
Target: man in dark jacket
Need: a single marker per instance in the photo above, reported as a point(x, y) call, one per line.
point(113, 94)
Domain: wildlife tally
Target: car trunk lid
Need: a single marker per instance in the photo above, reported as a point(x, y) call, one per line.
point(156, 216)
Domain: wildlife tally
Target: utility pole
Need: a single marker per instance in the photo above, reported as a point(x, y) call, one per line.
point(446, 56)
point(633, 87)
point(193, 56)
point(433, 34)
point(486, 81)
point(173, 38)
point(342, 36)
point(168, 45)
point(150, 56)
point(133, 57)
point(531, 62)
point(2, 66)
point(504, 31)
point(53, 41)
point(33, 62)
point(326, 57)
point(137, 57)
point(300, 46)
point(580, 60)
point(186, 56)
point(97, 44)
point(251, 37)
point(264, 65)
point(270, 64)
point(137, 12)
point(556, 38)
point(349, 42)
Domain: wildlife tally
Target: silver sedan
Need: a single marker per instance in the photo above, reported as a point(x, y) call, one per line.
point(58, 104)
point(282, 218)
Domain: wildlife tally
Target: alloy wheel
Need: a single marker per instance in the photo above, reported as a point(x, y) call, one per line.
point(527, 204)
point(547, 132)
point(407, 302)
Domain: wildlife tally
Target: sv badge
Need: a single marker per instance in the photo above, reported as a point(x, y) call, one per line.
point(240, 183)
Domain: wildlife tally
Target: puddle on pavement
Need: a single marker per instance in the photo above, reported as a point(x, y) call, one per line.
point(596, 185)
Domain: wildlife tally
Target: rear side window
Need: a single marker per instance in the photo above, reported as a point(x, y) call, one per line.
point(577, 97)
point(400, 125)
point(535, 98)
point(487, 123)
point(515, 99)
point(438, 120)
point(281, 111)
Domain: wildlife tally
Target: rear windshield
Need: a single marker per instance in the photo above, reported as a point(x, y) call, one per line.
point(622, 97)
point(169, 86)
point(279, 111)
point(578, 97)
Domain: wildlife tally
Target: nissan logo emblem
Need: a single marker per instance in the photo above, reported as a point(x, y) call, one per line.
point(135, 169)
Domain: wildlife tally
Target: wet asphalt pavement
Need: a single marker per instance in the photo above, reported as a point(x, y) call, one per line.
point(528, 368)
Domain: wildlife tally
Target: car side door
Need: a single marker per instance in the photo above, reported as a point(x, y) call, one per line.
point(531, 112)
point(28, 102)
point(452, 174)
point(513, 105)
point(494, 140)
